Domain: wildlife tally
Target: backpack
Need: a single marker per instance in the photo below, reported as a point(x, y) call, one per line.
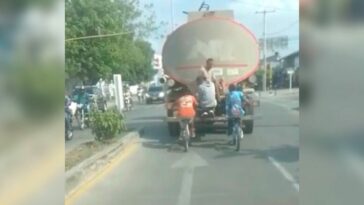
point(235, 106)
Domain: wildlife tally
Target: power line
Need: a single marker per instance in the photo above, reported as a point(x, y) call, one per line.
point(266, 7)
point(99, 36)
point(285, 28)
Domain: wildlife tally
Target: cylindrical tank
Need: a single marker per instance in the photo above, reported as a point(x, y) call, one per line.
point(233, 47)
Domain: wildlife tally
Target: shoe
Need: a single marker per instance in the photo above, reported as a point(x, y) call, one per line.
point(232, 142)
point(212, 114)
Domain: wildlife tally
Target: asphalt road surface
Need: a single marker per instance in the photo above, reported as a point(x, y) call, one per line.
point(157, 171)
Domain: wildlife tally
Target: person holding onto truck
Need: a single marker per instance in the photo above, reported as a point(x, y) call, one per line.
point(206, 96)
point(234, 108)
point(207, 70)
point(185, 107)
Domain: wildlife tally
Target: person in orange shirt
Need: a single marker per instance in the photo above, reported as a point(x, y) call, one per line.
point(186, 108)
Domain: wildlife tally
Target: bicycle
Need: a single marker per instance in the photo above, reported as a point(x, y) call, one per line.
point(237, 131)
point(185, 133)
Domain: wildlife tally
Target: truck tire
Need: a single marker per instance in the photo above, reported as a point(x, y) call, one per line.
point(173, 129)
point(248, 124)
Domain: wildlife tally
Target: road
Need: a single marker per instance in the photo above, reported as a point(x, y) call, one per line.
point(157, 171)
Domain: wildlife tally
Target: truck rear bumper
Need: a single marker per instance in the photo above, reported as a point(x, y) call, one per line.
point(215, 119)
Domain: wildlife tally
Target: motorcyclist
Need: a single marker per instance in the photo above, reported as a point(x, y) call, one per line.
point(82, 98)
point(68, 118)
point(140, 94)
point(127, 97)
point(83, 106)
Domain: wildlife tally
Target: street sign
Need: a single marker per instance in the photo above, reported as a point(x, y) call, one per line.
point(290, 72)
point(275, 43)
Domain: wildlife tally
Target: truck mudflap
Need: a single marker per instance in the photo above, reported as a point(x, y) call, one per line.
point(215, 119)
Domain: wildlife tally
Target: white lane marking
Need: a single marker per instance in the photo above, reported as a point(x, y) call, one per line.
point(184, 197)
point(189, 162)
point(285, 173)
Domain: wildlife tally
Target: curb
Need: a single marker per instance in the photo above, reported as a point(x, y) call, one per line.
point(85, 170)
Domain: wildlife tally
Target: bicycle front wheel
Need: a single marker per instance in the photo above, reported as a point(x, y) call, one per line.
point(186, 145)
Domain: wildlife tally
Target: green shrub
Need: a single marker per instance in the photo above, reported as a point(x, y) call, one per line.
point(106, 125)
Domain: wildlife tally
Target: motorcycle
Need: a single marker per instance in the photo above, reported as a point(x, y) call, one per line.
point(141, 96)
point(128, 103)
point(101, 104)
point(82, 115)
point(68, 123)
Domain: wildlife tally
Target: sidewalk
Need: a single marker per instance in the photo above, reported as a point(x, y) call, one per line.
point(82, 136)
point(283, 98)
point(280, 92)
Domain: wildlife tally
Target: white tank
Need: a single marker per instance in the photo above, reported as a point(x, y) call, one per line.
point(233, 47)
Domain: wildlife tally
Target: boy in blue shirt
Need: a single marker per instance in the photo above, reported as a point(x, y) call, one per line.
point(234, 108)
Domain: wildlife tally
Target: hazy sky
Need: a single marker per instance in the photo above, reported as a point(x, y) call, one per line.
point(285, 20)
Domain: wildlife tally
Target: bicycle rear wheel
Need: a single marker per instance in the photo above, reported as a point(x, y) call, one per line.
point(237, 133)
point(238, 139)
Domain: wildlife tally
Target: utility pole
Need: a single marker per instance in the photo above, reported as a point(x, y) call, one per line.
point(264, 12)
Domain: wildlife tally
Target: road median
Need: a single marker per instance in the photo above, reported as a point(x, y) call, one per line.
point(83, 171)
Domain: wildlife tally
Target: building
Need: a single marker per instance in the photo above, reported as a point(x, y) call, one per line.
point(272, 61)
point(280, 75)
point(291, 61)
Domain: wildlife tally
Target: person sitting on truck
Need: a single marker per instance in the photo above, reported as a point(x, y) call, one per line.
point(234, 108)
point(185, 108)
point(206, 95)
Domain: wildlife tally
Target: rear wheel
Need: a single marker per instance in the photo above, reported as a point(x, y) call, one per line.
point(68, 130)
point(186, 145)
point(69, 135)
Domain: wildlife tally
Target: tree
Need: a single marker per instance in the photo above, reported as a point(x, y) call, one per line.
point(128, 54)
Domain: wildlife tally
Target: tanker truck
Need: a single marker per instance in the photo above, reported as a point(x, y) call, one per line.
point(216, 35)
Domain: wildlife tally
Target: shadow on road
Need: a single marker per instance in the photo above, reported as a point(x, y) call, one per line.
point(277, 125)
point(284, 153)
point(157, 137)
point(150, 118)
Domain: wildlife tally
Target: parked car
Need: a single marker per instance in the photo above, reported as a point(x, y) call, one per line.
point(155, 94)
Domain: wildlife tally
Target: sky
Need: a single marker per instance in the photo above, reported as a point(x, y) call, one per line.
point(283, 22)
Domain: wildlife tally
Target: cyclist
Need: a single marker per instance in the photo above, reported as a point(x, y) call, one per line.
point(185, 107)
point(234, 109)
